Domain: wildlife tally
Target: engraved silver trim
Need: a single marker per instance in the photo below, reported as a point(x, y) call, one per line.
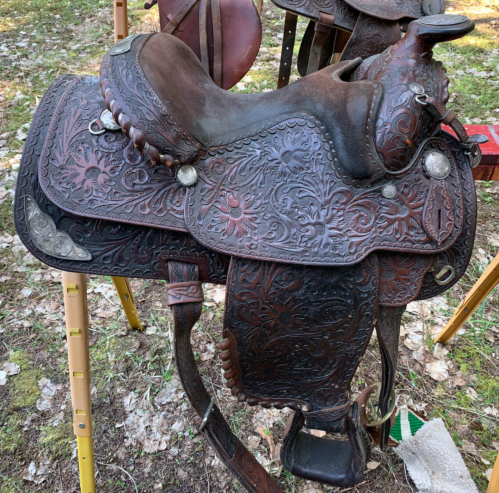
point(443, 20)
point(122, 46)
point(389, 191)
point(437, 165)
point(47, 238)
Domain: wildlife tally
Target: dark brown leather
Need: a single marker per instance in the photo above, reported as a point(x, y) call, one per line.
point(275, 193)
point(184, 292)
point(288, 43)
point(322, 29)
point(228, 39)
point(230, 450)
point(375, 25)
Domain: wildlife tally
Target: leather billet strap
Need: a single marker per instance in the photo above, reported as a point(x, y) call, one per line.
point(388, 331)
point(184, 292)
point(322, 30)
point(217, 42)
point(230, 450)
point(203, 35)
point(447, 117)
point(288, 44)
point(176, 18)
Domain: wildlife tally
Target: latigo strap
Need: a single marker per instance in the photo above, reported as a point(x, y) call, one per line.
point(230, 450)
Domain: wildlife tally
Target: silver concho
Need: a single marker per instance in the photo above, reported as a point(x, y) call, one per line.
point(389, 191)
point(437, 165)
point(417, 89)
point(48, 238)
point(107, 120)
point(187, 175)
point(442, 20)
point(122, 46)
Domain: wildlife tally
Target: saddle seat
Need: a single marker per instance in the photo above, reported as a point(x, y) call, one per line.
point(208, 116)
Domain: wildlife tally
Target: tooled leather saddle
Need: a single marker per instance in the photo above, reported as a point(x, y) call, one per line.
point(345, 29)
point(325, 207)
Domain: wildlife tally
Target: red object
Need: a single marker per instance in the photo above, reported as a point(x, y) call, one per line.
point(488, 169)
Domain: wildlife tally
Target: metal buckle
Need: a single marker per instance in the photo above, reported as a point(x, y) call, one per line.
point(443, 271)
point(207, 414)
point(375, 412)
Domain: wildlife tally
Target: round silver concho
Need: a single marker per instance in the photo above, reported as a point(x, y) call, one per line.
point(417, 89)
point(389, 191)
point(187, 175)
point(107, 120)
point(437, 165)
point(442, 20)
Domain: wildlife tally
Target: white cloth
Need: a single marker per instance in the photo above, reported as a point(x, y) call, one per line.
point(434, 462)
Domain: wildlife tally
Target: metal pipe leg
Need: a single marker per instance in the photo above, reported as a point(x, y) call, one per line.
point(128, 301)
point(120, 20)
point(487, 282)
point(75, 304)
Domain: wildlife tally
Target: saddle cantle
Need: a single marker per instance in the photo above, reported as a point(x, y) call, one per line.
point(325, 207)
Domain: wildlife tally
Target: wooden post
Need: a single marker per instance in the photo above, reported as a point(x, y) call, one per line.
point(128, 301)
point(478, 293)
point(75, 305)
point(494, 479)
point(120, 20)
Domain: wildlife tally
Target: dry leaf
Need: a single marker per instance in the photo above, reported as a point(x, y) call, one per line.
point(92, 340)
point(372, 465)
point(318, 433)
point(471, 393)
point(269, 439)
point(458, 382)
point(488, 474)
point(469, 448)
point(11, 368)
point(3, 377)
point(495, 445)
point(253, 442)
point(437, 370)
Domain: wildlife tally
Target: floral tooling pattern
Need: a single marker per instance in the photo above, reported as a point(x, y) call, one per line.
point(299, 331)
point(278, 197)
point(104, 176)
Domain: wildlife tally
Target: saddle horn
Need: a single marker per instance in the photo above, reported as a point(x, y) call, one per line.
point(423, 34)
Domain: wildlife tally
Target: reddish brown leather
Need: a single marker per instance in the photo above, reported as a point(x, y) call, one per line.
point(184, 292)
point(240, 29)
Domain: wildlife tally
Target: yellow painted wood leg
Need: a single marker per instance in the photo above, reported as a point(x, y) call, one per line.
point(482, 288)
point(120, 20)
point(494, 479)
point(128, 301)
point(259, 6)
point(75, 305)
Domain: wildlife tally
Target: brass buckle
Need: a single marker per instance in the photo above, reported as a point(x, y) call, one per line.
point(443, 271)
point(373, 407)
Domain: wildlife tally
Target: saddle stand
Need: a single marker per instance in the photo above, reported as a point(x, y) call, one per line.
point(325, 207)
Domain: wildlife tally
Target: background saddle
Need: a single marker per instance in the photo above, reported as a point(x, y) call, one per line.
point(325, 207)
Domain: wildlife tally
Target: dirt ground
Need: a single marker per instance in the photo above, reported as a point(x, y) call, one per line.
point(144, 428)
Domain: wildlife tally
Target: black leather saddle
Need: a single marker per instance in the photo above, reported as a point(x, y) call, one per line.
point(325, 207)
